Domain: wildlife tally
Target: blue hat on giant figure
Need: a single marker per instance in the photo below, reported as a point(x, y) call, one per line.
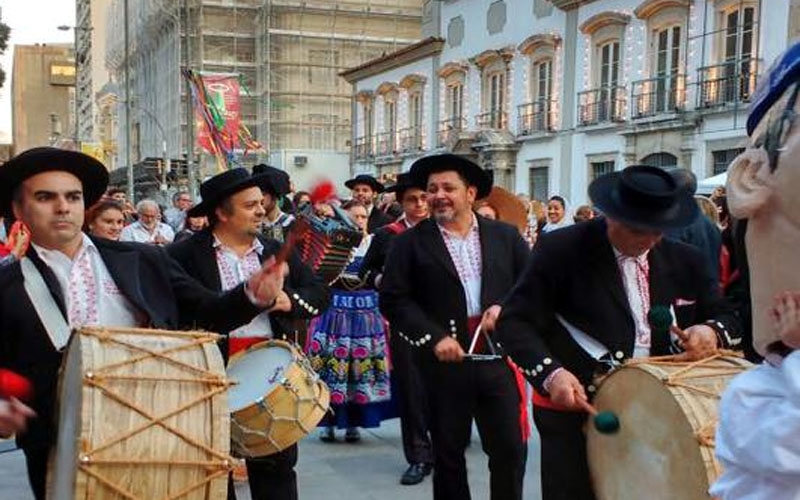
point(783, 73)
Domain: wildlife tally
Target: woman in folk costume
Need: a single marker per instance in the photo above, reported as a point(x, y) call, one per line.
point(348, 347)
point(556, 214)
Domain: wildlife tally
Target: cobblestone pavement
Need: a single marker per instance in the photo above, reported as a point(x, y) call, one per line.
point(368, 470)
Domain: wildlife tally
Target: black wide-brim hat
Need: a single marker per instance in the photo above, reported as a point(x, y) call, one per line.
point(403, 184)
point(92, 174)
point(216, 189)
point(644, 197)
point(475, 175)
point(365, 179)
point(280, 178)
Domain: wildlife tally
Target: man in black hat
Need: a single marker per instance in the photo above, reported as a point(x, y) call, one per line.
point(365, 188)
point(413, 404)
point(88, 281)
point(276, 222)
point(221, 257)
point(446, 278)
point(583, 305)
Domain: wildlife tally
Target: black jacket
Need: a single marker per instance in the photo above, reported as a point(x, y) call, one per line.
point(421, 294)
point(146, 276)
point(573, 272)
point(377, 219)
point(308, 294)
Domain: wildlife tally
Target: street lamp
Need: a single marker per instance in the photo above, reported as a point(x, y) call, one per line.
point(75, 30)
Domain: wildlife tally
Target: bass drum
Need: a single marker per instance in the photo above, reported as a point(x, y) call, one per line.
point(142, 415)
point(664, 448)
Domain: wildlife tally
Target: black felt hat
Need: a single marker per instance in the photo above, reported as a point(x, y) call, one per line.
point(645, 197)
point(92, 174)
point(475, 175)
point(404, 182)
point(216, 189)
point(365, 179)
point(280, 178)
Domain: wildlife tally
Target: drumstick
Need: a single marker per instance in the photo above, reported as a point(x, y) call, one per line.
point(683, 336)
point(605, 422)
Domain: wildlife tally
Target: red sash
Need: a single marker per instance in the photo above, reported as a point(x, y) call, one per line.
point(237, 344)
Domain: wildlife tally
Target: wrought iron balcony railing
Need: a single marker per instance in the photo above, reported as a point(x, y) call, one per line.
point(363, 148)
point(601, 105)
point(658, 95)
point(492, 120)
point(410, 139)
point(730, 82)
point(449, 130)
point(385, 143)
point(537, 116)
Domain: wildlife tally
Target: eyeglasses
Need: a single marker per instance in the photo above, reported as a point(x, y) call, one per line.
point(778, 131)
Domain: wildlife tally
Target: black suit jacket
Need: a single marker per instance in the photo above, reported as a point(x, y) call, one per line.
point(148, 278)
point(421, 294)
point(377, 219)
point(375, 258)
point(573, 272)
point(308, 294)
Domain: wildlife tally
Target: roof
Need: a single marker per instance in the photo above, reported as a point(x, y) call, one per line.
point(411, 53)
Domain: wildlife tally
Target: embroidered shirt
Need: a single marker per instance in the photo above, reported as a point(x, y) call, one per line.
point(466, 255)
point(233, 270)
point(635, 273)
point(90, 293)
point(139, 233)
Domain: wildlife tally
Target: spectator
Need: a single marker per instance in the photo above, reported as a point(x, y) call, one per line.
point(191, 226)
point(105, 219)
point(556, 214)
point(149, 228)
point(176, 214)
point(583, 213)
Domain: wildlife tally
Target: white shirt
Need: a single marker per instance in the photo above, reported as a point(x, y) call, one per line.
point(233, 270)
point(90, 294)
point(467, 259)
point(635, 273)
point(758, 438)
point(140, 234)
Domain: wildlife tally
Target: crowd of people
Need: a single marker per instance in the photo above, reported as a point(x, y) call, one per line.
point(455, 299)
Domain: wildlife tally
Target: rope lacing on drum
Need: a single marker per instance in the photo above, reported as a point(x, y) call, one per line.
point(240, 433)
point(218, 464)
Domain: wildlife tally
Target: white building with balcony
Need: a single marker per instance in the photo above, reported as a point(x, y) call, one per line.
point(548, 95)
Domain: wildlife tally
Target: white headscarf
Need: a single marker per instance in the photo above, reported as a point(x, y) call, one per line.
point(564, 222)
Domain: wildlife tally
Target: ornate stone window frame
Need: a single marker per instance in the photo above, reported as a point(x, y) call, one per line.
point(490, 63)
point(602, 29)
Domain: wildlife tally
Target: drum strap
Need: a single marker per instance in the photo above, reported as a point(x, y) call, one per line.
point(592, 347)
point(49, 314)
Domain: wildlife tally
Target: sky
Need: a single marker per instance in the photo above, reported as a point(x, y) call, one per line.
point(31, 21)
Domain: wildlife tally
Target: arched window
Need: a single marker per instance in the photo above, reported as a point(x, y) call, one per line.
point(660, 160)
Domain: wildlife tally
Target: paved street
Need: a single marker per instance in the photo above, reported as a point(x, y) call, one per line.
point(369, 470)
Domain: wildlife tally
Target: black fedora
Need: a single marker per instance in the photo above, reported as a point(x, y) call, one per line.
point(475, 175)
point(92, 174)
point(644, 197)
point(280, 178)
point(365, 179)
point(404, 182)
point(216, 189)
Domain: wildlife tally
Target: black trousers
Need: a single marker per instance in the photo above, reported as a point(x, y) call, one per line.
point(412, 402)
point(565, 470)
point(271, 477)
point(36, 461)
point(486, 391)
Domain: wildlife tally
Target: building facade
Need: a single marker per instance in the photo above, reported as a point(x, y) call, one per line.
point(548, 95)
point(43, 93)
point(287, 54)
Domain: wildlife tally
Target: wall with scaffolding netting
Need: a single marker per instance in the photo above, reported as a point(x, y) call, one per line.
point(287, 53)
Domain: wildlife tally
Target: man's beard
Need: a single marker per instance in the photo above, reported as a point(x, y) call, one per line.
point(443, 217)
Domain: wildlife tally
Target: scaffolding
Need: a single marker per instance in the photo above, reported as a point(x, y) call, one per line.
point(287, 53)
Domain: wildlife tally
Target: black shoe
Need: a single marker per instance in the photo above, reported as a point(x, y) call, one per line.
point(352, 435)
point(415, 474)
point(327, 435)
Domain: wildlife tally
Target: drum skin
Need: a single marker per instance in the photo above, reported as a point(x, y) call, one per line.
point(288, 411)
point(668, 412)
point(138, 424)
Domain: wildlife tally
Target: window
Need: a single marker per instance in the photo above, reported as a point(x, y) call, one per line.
point(667, 68)
point(494, 101)
point(660, 160)
point(609, 64)
point(366, 110)
point(496, 92)
point(539, 183)
point(415, 110)
point(724, 158)
point(455, 102)
point(739, 65)
point(600, 168)
point(542, 80)
point(390, 116)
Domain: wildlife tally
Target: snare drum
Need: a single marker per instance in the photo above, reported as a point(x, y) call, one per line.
point(277, 400)
point(668, 417)
point(142, 415)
